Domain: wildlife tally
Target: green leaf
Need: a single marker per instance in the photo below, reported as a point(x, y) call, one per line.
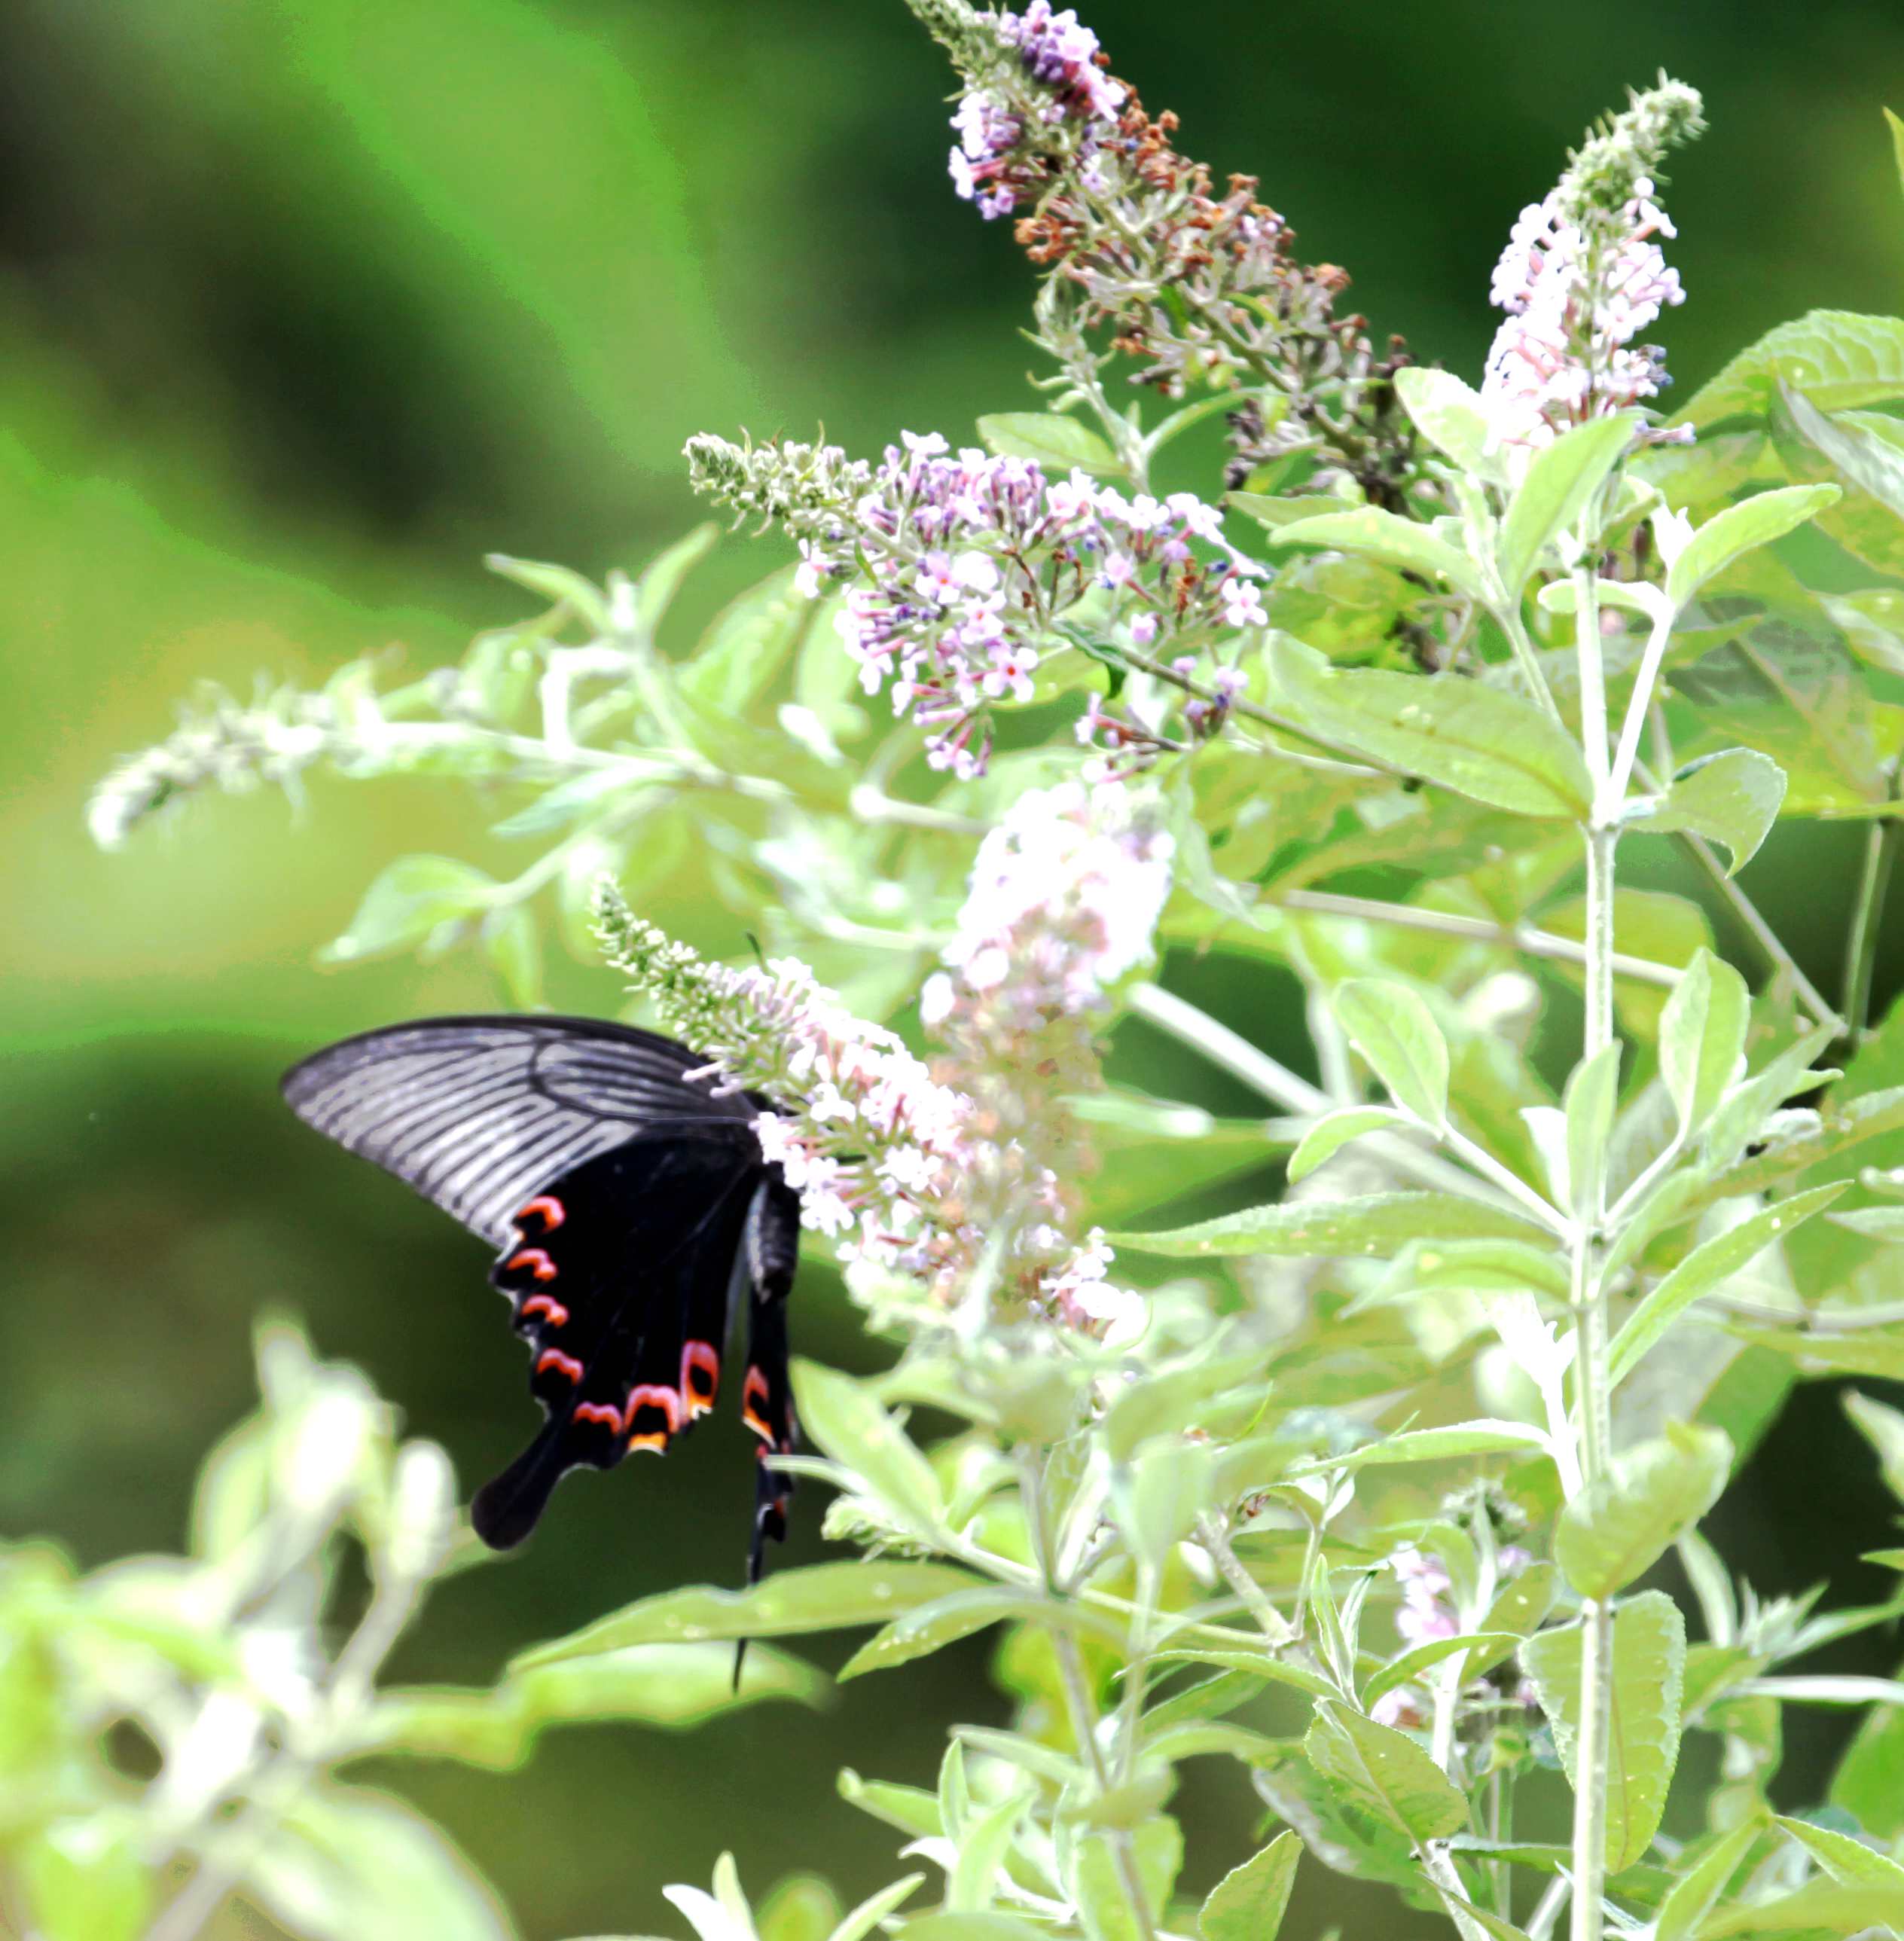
point(413, 898)
point(1739, 530)
point(1841, 1128)
point(1813, 1910)
point(1883, 1427)
point(560, 584)
point(1482, 1437)
point(1377, 1225)
point(1707, 1267)
point(1732, 797)
point(1049, 439)
point(1403, 1670)
point(1619, 1527)
point(347, 1864)
point(1849, 1862)
point(818, 1598)
point(930, 1627)
point(1864, 457)
point(969, 1928)
point(512, 941)
point(85, 1879)
point(844, 1419)
point(1334, 1131)
point(1160, 1495)
point(1371, 534)
point(862, 1921)
point(1839, 359)
point(1481, 741)
point(1649, 1673)
point(1097, 1881)
point(1384, 1773)
point(1593, 1091)
point(1695, 1894)
point(1247, 1904)
point(663, 577)
point(744, 650)
point(1519, 1607)
point(1555, 491)
point(911, 1809)
point(1702, 1036)
point(1272, 514)
point(1396, 1032)
point(666, 1686)
point(1447, 413)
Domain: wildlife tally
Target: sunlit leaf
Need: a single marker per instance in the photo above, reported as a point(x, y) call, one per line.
point(1732, 798)
point(1564, 477)
point(1396, 1032)
point(1617, 1527)
point(846, 1420)
point(1049, 439)
point(1643, 1727)
point(1384, 1773)
point(1837, 358)
point(1731, 534)
point(1377, 1225)
point(1247, 1904)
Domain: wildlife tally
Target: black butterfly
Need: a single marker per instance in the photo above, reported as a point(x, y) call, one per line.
point(631, 1205)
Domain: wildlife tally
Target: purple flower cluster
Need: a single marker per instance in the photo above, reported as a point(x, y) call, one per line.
point(975, 558)
point(1006, 130)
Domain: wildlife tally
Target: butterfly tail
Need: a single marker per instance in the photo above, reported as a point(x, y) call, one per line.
point(509, 1507)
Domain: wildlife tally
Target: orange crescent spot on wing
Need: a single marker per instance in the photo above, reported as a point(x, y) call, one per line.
point(545, 1207)
point(657, 1443)
point(546, 1304)
point(598, 1411)
point(535, 1260)
point(553, 1358)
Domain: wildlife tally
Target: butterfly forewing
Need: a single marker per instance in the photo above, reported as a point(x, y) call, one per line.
point(631, 1208)
point(476, 1114)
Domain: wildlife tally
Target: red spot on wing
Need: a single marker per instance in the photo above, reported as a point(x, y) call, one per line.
point(546, 1209)
point(603, 1412)
point(537, 1262)
point(652, 1394)
point(546, 1304)
point(700, 1378)
point(553, 1358)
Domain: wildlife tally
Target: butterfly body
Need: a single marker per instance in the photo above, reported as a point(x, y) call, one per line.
point(632, 1211)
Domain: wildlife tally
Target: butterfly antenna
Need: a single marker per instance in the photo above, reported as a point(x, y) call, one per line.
point(740, 1659)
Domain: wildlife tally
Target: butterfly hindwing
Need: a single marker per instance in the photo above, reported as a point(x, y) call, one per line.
point(619, 1273)
point(772, 1253)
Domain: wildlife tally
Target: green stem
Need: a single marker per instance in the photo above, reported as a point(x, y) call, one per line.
point(1527, 660)
point(1881, 843)
point(1593, 1407)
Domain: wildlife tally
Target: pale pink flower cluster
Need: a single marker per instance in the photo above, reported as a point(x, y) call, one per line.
point(973, 559)
point(1423, 1617)
point(1081, 1294)
point(1064, 898)
point(1575, 303)
point(993, 164)
point(878, 1140)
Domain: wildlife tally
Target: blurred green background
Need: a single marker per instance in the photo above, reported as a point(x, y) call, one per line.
point(304, 305)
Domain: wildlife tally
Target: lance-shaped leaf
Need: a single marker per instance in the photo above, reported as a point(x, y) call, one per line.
point(1732, 798)
point(846, 1419)
point(1448, 413)
point(1849, 1862)
point(1555, 491)
point(1701, 1036)
point(1334, 1131)
point(1374, 534)
point(1481, 741)
point(1396, 1032)
point(1377, 1225)
point(1049, 439)
point(1384, 1773)
point(1492, 1646)
point(1483, 1437)
point(1620, 1526)
point(1642, 1748)
point(930, 1627)
point(1819, 1908)
point(1708, 1267)
point(1866, 460)
point(1694, 1895)
point(1247, 1904)
point(817, 1598)
point(1592, 1091)
point(1740, 529)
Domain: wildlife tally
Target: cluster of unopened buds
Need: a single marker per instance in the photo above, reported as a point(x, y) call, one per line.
point(975, 559)
point(1046, 96)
